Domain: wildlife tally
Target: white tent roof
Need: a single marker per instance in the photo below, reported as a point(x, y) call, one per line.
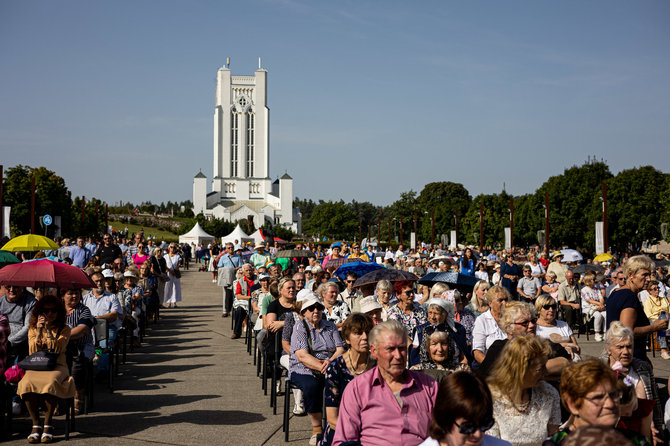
point(257, 236)
point(196, 235)
point(237, 234)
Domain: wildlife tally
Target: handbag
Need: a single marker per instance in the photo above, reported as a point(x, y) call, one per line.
point(177, 274)
point(41, 360)
point(14, 374)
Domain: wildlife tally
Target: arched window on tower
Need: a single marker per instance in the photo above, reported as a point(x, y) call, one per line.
point(250, 144)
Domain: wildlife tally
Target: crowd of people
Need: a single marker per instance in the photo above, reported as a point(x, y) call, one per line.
point(498, 363)
point(131, 281)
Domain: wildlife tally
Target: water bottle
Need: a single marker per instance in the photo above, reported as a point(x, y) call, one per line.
point(662, 334)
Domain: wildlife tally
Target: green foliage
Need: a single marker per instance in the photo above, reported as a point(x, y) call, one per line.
point(94, 222)
point(445, 198)
point(495, 218)
point(635, 206)
point(335, 220)
point(51, 197)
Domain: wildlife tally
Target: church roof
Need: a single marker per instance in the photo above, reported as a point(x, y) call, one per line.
point(200, 175)
point(254, 205)
point(286, 176)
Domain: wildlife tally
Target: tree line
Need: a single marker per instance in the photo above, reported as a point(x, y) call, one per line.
point(638, 210)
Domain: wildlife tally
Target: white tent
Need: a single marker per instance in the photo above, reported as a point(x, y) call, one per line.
point(196, 235)
point(237, 234)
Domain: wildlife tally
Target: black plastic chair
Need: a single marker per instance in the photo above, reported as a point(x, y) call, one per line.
point(102, 334)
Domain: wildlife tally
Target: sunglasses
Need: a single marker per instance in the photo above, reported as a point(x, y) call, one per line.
point(549, 307)
point(468, 427)
point(526, 323)
point(408, 293)
point(314, 308)
point(49, 310)
point(351, 281)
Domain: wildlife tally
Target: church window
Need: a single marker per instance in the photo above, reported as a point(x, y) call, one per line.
point(233, 144)
point(250, 145)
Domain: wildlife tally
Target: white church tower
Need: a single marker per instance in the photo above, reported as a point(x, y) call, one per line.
point(241, 185)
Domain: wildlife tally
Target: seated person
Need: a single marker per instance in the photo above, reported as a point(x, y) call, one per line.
point(438, 353)
point(104, 305)
point(550, 328)
point(17, 304)
point(48, 331)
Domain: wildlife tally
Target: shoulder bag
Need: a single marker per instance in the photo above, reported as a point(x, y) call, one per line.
point(41, 360)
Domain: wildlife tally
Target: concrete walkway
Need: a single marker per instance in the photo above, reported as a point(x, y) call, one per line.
point(190, 384)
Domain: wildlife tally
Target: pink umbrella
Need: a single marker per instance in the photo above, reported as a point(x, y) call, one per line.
point(45, 273)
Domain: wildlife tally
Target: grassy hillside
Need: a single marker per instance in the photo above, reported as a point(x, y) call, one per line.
point(148, 231)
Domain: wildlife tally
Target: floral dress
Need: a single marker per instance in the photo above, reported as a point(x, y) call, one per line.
point(467, 320)
point(412, 320)
point(339, 312)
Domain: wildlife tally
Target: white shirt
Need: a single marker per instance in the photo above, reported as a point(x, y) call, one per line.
point(561, 328)
point(486, 332)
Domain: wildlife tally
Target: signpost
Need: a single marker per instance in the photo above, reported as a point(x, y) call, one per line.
point(47, 220)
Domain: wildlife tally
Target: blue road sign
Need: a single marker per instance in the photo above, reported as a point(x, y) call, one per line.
point(47, 220)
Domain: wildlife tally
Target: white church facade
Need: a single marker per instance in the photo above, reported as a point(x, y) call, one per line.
point(241, 183)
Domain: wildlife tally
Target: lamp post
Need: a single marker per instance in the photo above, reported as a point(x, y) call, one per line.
point(605, 238)
point(511, 223)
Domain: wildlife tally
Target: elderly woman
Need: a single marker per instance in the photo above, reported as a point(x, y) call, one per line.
point(550, 286)
point(638, 375)
point(384, 293)
point(478, 304)
point(408, 313)
point(335, 254)
point(462, 315)
point(441, 313)
point(346, 367)
point(519, 319)
point(536, 268)
point(336, 310)
point(372, 308)
point(486, 330)
point(315, 343)
point(592, 393)
point(593, 305)
point(525, 408)
point(653, 307)
point(159, 267)
point(48, 331)
point(623, 304)
point(438, 354)
point(548, 327)
point(463, 411)
point(173, 284)
point(81, 348)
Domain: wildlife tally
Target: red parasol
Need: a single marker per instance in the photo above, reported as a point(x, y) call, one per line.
point(45, 273)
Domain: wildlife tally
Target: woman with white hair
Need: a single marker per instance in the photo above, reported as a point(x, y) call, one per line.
point(478, 304)
point(384, 293)
point(486, 330)
point(623, 304)
point(637, 374)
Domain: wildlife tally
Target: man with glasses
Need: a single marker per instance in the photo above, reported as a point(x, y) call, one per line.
point(108, 252)
point(357, 254)
point(227, 265)
point(104, 305)
point(350, 295)
point(618, 281)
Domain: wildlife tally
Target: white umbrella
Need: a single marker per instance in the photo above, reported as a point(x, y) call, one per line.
point(571, 255)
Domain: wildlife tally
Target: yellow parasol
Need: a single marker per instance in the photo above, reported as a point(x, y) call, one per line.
point(604, 257)
point(30, 242)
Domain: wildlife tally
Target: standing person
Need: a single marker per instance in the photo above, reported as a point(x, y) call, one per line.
point(623, 304)
point(140, 256)
point(467, 263)
point(108, 252)
point(557, 267)
point(536, 268)
point(243, 288)
point(186, 250)
point(509, 273)
point(569, 298)
point(159, 268)
point(228, 262)
point(388, 401)
point(173, 284)
point(80, 254)
point(528, 287)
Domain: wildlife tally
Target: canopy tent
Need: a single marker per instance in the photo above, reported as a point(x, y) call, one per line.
point(237, 234)
point(258, 237)
point(196, 235)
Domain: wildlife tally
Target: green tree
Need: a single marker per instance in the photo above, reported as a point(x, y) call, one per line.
point(332, 219)
point(444, 198)
point(51, 197)
point(574, 205)
point(495, 219)
point(635, 207)
point(94, 222)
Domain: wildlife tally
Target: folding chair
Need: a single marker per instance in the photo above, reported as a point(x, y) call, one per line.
point(102, 334)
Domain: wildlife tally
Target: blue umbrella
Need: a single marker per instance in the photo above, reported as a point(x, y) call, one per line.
point(455, 280)
point(359, 268)
point(392, 275)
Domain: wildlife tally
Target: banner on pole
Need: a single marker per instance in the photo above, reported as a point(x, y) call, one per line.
point(508, 238)
point(6, 210)
point(600, 237)
point(454, 242)
point(412, 240)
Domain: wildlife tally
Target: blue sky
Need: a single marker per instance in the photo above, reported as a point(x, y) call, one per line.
point(367, 99)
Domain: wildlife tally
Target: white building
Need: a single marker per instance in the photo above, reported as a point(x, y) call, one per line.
point(241, 185)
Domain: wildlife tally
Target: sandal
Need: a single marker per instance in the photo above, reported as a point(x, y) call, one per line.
point(35, 436)
point(47, 437)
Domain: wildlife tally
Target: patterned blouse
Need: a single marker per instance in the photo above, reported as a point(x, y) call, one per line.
point(337, 378)
point(325, 341)
point(412, 320)
point(81, 315)
point(339, 313)
point(467, 320)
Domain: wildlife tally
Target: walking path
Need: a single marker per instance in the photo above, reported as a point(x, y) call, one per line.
point(191, 384)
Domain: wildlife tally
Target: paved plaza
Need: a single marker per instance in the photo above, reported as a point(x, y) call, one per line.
point(191, 384)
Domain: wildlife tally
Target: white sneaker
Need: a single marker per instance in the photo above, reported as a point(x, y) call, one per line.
point(278, 390)
point(16, 408)
point(599, 337)
point(298, 410)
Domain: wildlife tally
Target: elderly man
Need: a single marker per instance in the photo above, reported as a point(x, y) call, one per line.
point(242, 296)
point(227, 265)
point(387, 404)
point(17, 304)
point(350, 295)
point(104, 305)
point(569, 298)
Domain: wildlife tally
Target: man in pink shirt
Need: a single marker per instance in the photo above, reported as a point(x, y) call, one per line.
point(387, 404)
